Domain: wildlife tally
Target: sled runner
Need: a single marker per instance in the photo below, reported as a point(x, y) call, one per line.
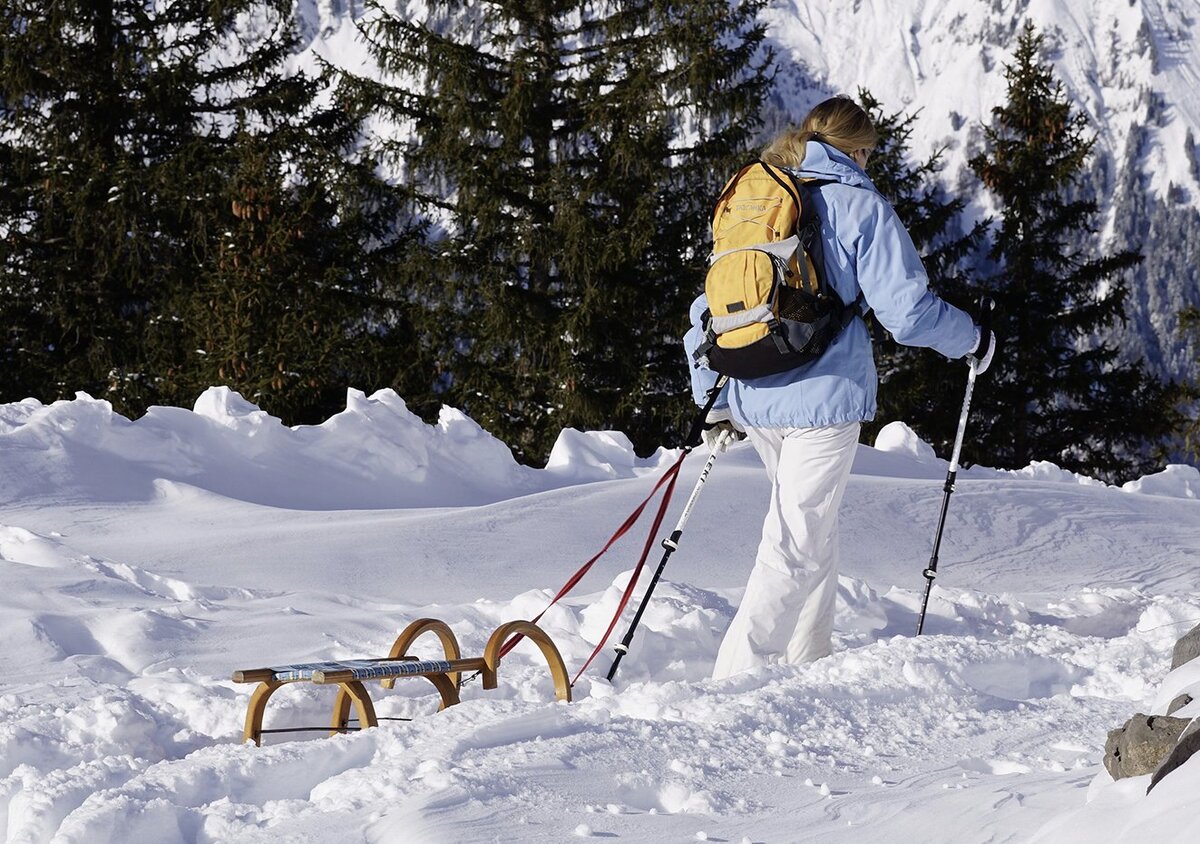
point(349, 675)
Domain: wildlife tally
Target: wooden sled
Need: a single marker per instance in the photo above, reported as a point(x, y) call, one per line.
point(350, 675)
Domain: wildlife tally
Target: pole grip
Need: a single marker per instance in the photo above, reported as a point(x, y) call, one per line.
point(695, 435)
point(986, 305)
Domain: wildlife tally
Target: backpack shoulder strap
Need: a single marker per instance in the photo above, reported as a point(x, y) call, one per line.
point(806, 186)
point(808, 216)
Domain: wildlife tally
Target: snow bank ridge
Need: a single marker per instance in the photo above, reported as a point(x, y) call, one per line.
point(376, 454)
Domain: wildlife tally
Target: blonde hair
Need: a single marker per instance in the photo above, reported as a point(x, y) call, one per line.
point(839, 122)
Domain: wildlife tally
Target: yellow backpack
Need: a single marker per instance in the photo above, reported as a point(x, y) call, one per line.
point(769, 308)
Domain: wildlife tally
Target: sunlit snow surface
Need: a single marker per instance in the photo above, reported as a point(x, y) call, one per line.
point(144, 561)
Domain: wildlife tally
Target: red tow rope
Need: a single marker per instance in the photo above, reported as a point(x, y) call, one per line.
point(668, 478)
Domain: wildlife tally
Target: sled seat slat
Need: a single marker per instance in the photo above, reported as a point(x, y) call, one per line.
point(305, 670)
point(386, 669)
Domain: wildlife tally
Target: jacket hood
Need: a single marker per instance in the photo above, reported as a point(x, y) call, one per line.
point(825, 162)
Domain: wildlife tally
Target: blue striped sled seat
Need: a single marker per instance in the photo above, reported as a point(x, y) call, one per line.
point(360, 669)
point(381, 669)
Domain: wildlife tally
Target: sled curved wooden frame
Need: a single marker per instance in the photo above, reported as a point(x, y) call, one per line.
point(349, 675)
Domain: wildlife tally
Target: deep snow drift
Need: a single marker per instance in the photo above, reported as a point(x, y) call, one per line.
point(144, 561)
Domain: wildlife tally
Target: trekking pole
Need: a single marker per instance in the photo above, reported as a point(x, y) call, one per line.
point(669, 545)
point(696, 434)
point(694, 437)
point(985, 319)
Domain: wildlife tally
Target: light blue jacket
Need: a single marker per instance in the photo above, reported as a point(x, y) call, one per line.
point(867, 249)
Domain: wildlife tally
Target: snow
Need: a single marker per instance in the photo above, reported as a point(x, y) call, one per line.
point(144, 561)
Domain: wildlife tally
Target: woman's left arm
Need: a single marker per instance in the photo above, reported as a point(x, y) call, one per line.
point(895, 283)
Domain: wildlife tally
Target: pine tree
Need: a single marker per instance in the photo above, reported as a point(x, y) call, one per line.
point(916, 385)
point(570, 151)
point(1189, 325)
point(103, 154)
point(298, 296)
point(1056, 392)
point(179, 212)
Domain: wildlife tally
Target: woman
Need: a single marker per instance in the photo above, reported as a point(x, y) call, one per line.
point(804, 423)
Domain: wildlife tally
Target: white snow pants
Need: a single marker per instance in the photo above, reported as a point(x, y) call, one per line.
point(786, 614)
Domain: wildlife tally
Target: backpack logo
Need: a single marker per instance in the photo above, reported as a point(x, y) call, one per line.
point(769, 307)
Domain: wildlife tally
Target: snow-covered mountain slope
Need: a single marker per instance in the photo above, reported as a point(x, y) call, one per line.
point(1126, 63)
